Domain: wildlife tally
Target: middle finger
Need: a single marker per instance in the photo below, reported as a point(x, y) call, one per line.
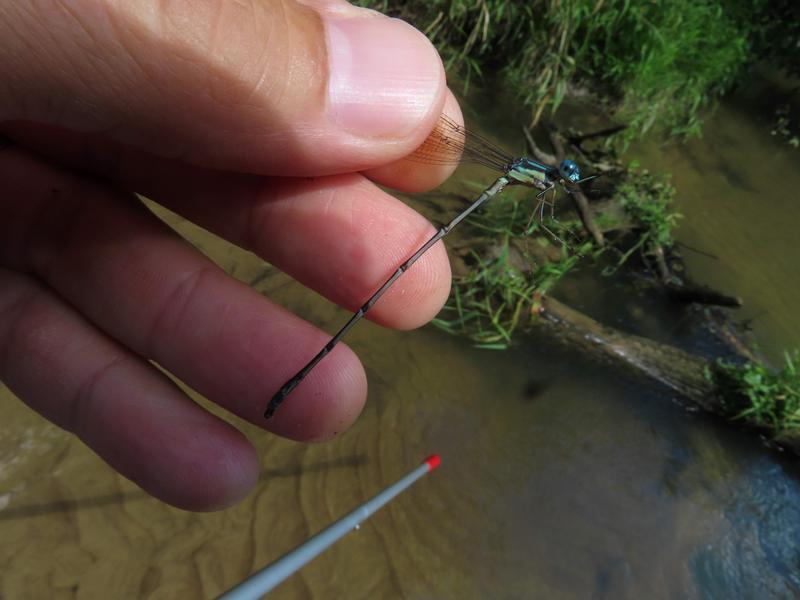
point(141, 283)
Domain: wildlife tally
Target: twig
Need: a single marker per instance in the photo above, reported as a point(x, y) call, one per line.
point(579, 139)
point(697, 250)
point(579, 200)
point(537, 152)
point(558, 145)
point(700, 294)
point(585, 213)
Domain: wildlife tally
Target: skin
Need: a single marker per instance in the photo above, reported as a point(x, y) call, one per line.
point(267, 122)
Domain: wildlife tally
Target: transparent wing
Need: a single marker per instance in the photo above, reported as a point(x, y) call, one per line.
point(450, 143)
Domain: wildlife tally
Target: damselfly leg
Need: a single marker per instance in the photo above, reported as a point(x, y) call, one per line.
point(538, 212)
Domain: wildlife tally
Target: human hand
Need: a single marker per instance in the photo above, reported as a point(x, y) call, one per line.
point(255, 120)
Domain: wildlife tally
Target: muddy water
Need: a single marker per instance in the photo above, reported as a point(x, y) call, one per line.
point(739, 189)
point(559, 479)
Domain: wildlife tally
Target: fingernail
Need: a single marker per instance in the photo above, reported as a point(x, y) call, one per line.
point(385, 76)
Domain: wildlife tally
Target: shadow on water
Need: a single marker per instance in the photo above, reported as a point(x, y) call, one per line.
point(77, 504)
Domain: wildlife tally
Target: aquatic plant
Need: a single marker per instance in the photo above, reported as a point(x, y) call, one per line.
point(521, 261)
point(492, 300)
point(647, 200)
point(766, 399)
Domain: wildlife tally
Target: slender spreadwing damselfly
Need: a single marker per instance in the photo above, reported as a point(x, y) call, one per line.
point(450, 143)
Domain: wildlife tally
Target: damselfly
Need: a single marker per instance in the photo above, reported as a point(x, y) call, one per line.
point(450, 143)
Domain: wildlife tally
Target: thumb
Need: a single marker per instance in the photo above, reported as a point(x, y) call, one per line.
point(276, 87)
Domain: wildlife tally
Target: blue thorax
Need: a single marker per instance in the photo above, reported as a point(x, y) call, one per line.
point(527, 171)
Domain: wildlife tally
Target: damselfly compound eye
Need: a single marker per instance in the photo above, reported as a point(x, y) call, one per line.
point(570, 171)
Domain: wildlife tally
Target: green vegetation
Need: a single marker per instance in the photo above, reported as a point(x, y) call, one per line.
point(522, 258)
point(657, 63)
point(666, 60)
point(493, 299)
point(647, 200)
point(656, 66)
point(762, 398)
point(488, 304)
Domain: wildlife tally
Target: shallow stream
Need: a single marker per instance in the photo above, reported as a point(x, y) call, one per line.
point(559, 479)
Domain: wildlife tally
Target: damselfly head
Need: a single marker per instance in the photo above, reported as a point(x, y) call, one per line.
point(570, 171)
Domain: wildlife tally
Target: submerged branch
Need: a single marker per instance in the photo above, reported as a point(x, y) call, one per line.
point(577, 140)
point(700, 294)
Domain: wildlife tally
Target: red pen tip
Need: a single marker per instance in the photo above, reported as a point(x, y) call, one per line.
point(433, 461)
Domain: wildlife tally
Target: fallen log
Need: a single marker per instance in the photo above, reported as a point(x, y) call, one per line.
point(673, 367)
point(682, 372)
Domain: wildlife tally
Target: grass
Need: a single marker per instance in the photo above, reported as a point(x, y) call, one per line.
point(487, 304)
point(493, 300)
point(518, 260)
point(665, 60)
point(647, 200)
point(658, 64)
point(762, 398)
point(490, 302)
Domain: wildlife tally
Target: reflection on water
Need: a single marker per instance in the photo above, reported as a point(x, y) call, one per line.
point(559, 478)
